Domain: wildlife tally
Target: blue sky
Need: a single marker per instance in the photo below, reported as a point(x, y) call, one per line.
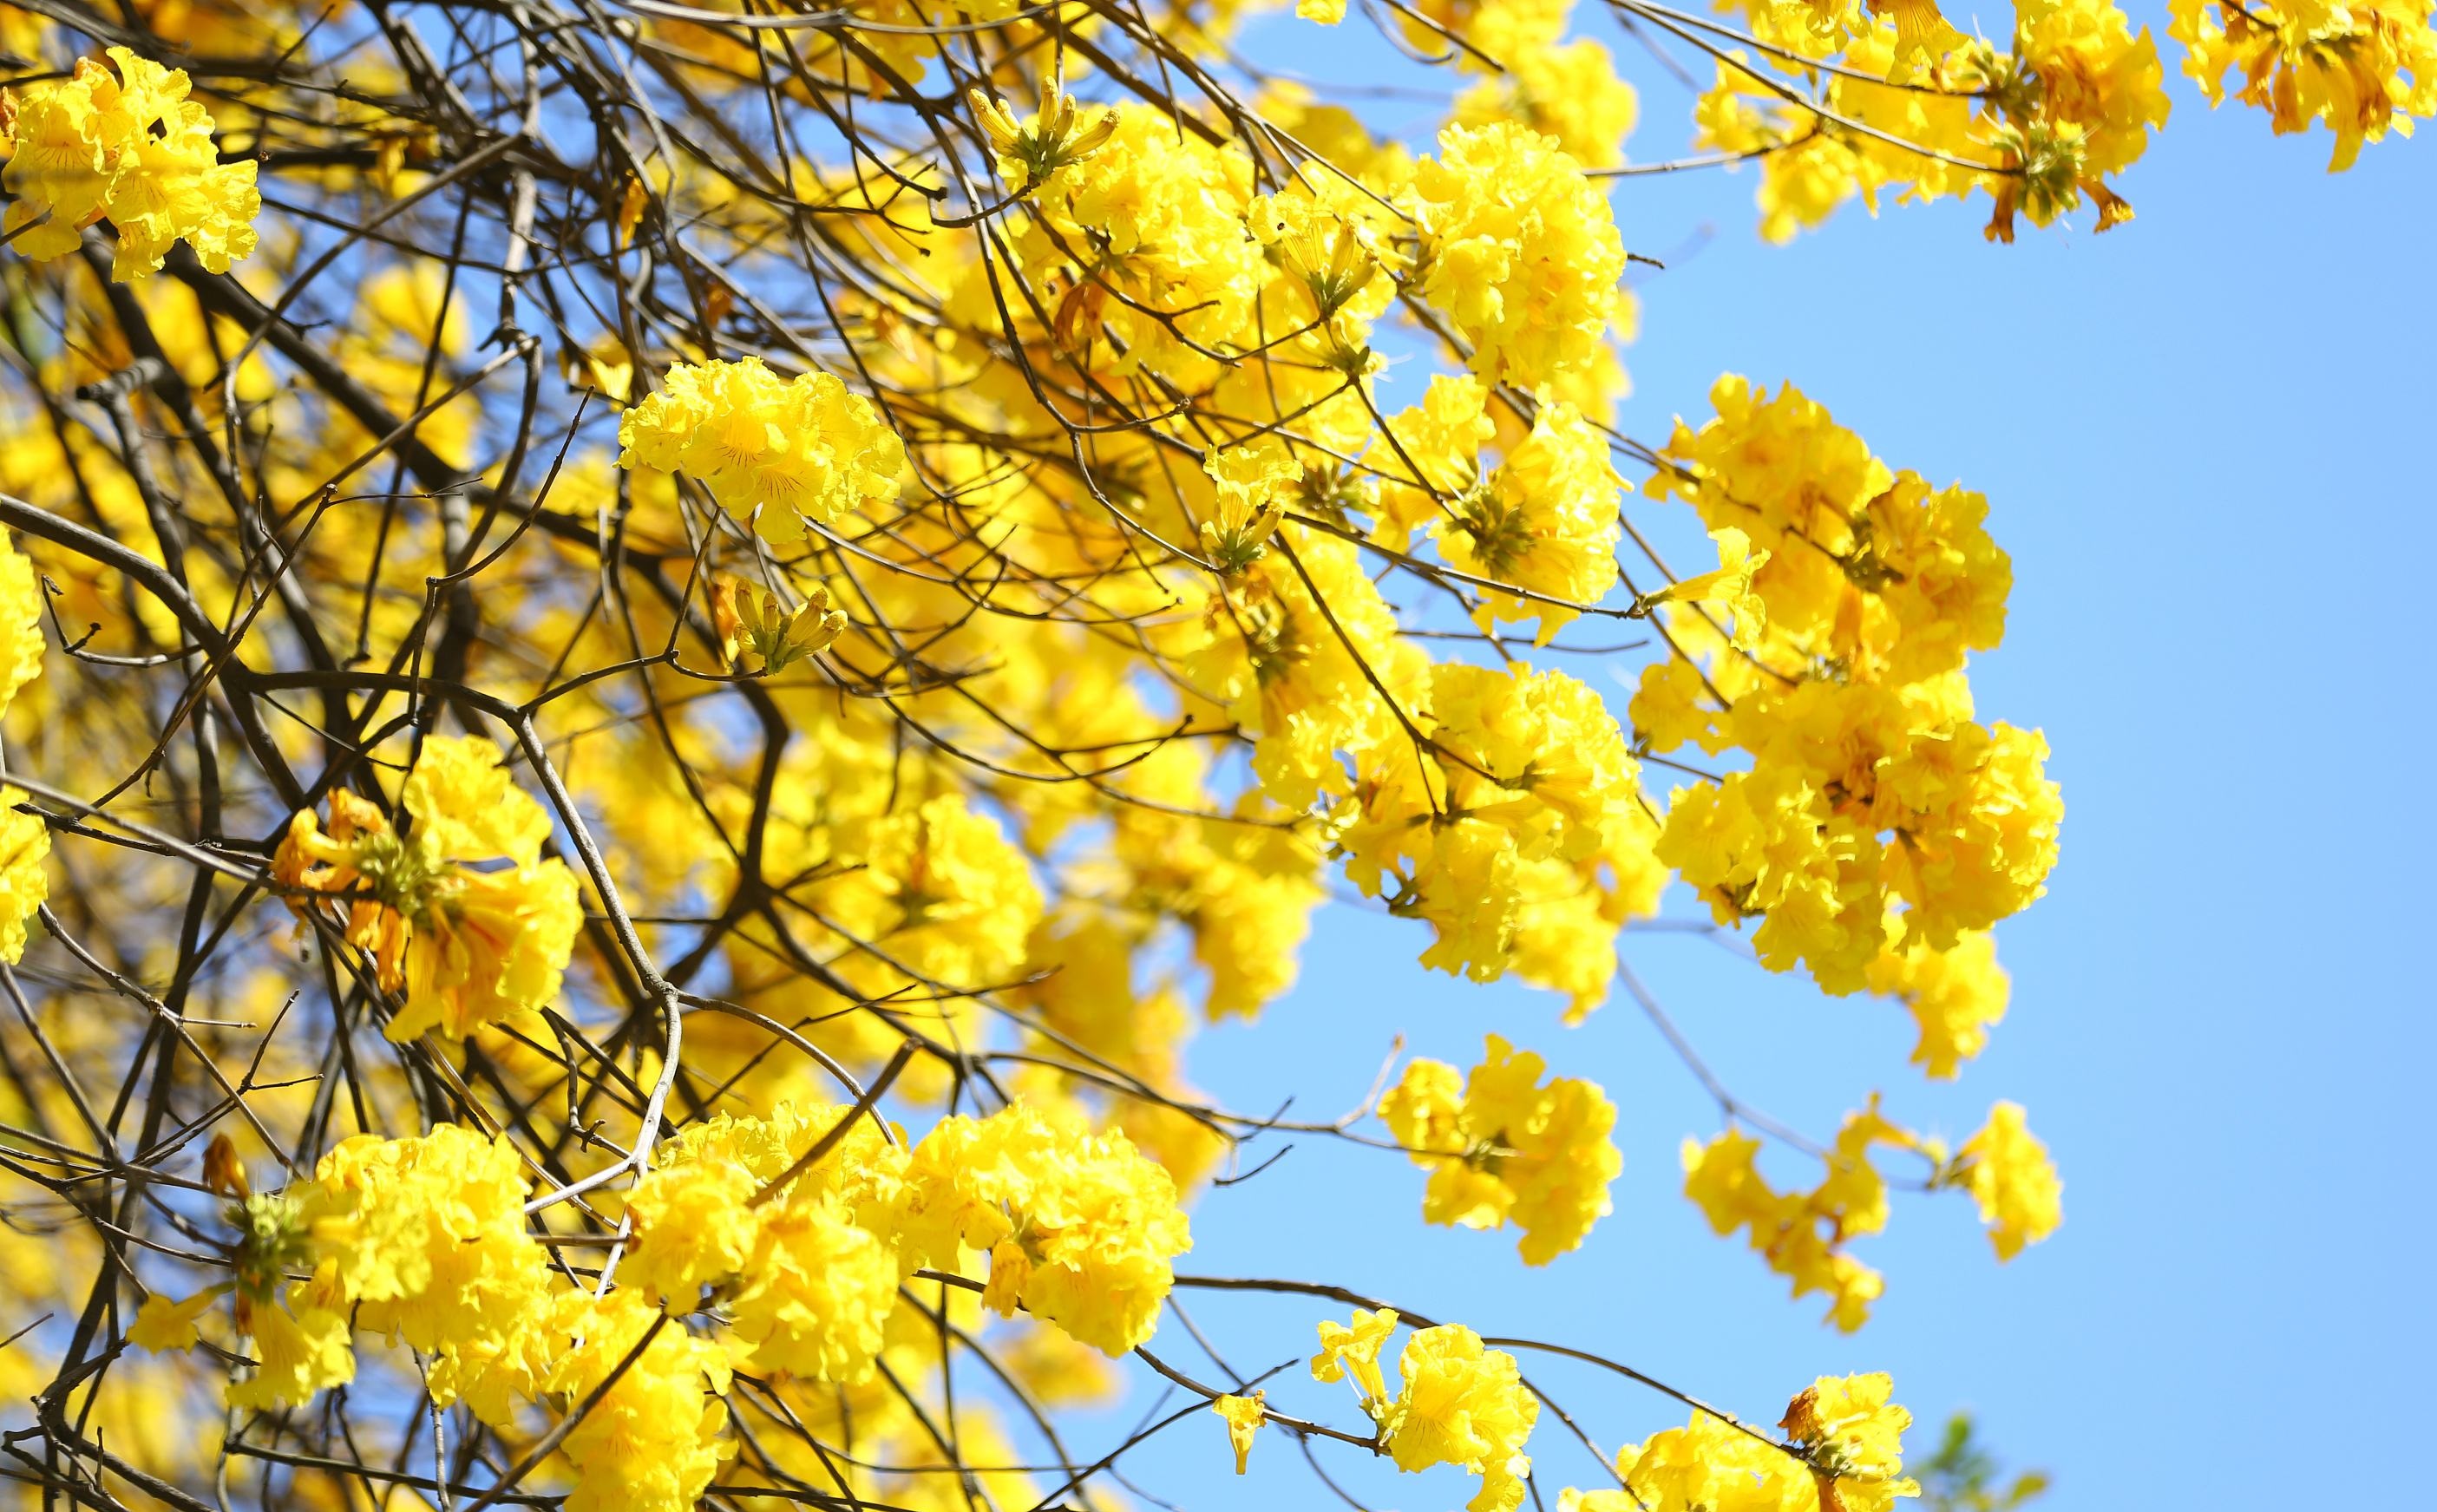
point(2204, 438)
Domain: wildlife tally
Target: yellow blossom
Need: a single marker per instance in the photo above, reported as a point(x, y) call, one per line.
point(1855, 1438)
point(1466, 1405)
point(1954, 994)
point(1508, 1149)
point(130, 145)
point(298, 1349)
point(1057, 136)
point(2012, 1180)
point(1253, 483)
point(1568, 91)
point(1844, 1455)
point(466, 944)
point(24, 845)
point(1351, 1352)
point(2343, 66)
point(1544, 522)
point(162, 1325)
point(1082, 1229)
point(1521, 251)
point(1244, 1415)
point(781, 453)
point(650, 1440)
point(1802, 1235)
point(21, 623)
point(1730, 587)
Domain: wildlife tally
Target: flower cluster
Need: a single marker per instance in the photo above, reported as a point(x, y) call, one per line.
point(2360, 69)
point(1457, 1402)
point(1567, 90)
point(1057, 136)
point(467, 941)
point(1870, 782)
point(2040, 122)
point(1802, 1235)
point(2011, 1179)
point(1503, 1148)
point(807, 1274)
point(795, 1232)
point(128, 145)
point(645, 1397)
point(424, 1240)
point(1845, 1454)
point(1148, 237)
point(1079, 1228)
point(1954, 995)
point(1516, 829)
point(1292, 647)
point(1519, 250)
point(761, 636)
point(779, 452)
point(1545, 522)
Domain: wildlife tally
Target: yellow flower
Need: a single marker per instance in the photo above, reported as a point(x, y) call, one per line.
point(1436, 455)
point(1244, 1415)
point(1855, 1438)
point(1351, 1352)
point(466, 807)
point(1056, 137)
point(693, 1227)
point(2343, 66)
point(779, 453)
point(467, 946)
point(492, 946)
point(21, 623)
point(1859, 794)
point(1567, 91)
point(651, 1442)
point(1954, 994)
point(1847, 1457)
point(1083, 1230)
point(956, 900)
point(1293, 650)
point(608, 370)
point(1709, 1466)
point(24, 845)
point(809, 1276)
point(1520, 251)
point(1466, 1405)
point(1667, 708)
point(425, 1237)
point(817, 1291)
point(128, 146)
point(762, 636)
point(1545, 522)
point(2012, 1180)
point(1802, 1235)
point(1457, 1402)
point(1509, 1150)
point(298, 1349)
point(1730, 587)
point(162, 1325)
point(1255, 484)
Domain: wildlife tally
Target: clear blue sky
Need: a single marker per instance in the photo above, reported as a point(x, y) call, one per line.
point(2205, 440)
